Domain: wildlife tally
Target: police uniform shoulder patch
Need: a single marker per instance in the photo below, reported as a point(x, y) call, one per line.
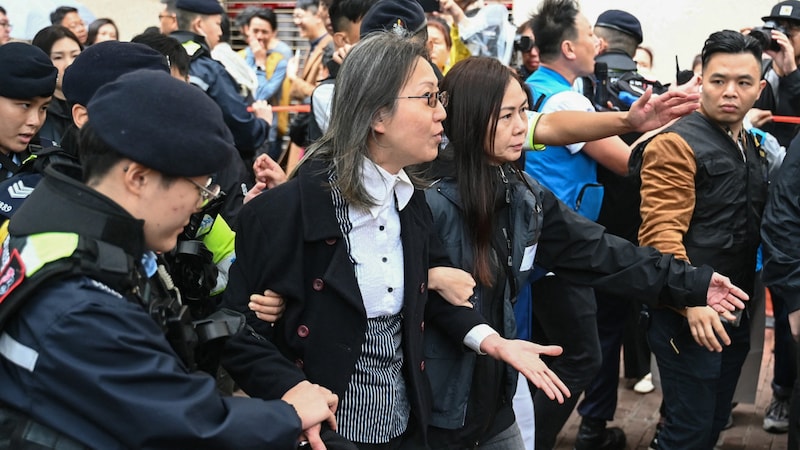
point(11, 274)
point(191, 47)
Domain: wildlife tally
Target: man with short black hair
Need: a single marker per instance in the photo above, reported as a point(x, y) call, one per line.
point(269, 57)
point(704, 187)
point(311, 27)
point(68, 17)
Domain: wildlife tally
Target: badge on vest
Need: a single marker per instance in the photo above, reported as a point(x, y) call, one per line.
point(11, 275)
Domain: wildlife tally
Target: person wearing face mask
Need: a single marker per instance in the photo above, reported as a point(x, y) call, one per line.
point(199, 31)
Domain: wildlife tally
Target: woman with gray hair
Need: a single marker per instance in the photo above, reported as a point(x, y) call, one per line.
point(347, 244)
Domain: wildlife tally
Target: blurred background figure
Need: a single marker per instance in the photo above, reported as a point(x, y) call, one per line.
point(101, 30)
point(238, 69)
point(68, 17)
point(697, 65)
point(644, 60)
point(529, 55)
point(439, 43)
point(63, 46)
point(5, 27)
point(168, 17)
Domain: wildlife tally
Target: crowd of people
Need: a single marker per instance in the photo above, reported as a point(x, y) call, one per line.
point(426, 228)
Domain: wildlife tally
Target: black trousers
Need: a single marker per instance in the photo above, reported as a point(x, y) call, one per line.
point(563, 314)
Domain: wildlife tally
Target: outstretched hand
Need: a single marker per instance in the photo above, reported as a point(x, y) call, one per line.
point(650, 112)
point(723, 297)
point(524, 357)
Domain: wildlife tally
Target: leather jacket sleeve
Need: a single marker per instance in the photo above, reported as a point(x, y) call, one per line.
point(582, 252)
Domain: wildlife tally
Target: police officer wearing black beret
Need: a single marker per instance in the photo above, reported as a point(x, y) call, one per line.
point(99, 64)
point(83, 361)
point(27, 82)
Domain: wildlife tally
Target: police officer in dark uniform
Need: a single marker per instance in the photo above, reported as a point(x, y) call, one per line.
point(27, 82)
point(100, 64)
point(198, 31)
point(83, 352)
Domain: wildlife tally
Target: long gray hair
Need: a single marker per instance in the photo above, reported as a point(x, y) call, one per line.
point(368, 83)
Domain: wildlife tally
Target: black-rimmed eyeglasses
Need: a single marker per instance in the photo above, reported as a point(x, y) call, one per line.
point(431, 98)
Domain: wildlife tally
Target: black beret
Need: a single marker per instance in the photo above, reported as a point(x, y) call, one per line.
point(25, 72)
point(200, 6)
point(390, 15)
point(786, 10)
point(621, 21)
point(162, 123)
point(103, 63)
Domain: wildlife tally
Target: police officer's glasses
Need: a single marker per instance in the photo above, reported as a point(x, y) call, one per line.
point(208, 192)
point(441, 97)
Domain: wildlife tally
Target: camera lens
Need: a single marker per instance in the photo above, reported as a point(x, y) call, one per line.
point(762, 36)
point(523, 43)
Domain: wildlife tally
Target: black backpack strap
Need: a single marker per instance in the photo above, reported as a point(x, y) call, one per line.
point(538, 103)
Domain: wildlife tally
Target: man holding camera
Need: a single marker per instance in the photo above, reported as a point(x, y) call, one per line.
point(780, 38)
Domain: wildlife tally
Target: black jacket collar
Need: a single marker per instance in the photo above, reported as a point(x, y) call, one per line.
point(61, 203)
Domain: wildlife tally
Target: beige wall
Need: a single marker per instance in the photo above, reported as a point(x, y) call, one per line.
point(131, 16)
point(673, 27)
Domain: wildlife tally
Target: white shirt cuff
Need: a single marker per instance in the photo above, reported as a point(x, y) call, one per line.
point(476, 335)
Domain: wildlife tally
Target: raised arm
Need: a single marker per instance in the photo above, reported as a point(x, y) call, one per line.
point(647, 113)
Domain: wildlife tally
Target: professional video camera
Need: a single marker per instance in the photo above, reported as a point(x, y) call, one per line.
point(763, 35)
point(191, 264)
point(523, 43)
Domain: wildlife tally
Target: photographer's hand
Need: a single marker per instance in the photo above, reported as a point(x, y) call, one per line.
point(784, 60)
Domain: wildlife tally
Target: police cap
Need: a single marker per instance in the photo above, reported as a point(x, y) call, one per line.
point(26, 72)
point(392, 15)
point(621, 21)
point(200, 6)
point(103, 63)
point(162, 123)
